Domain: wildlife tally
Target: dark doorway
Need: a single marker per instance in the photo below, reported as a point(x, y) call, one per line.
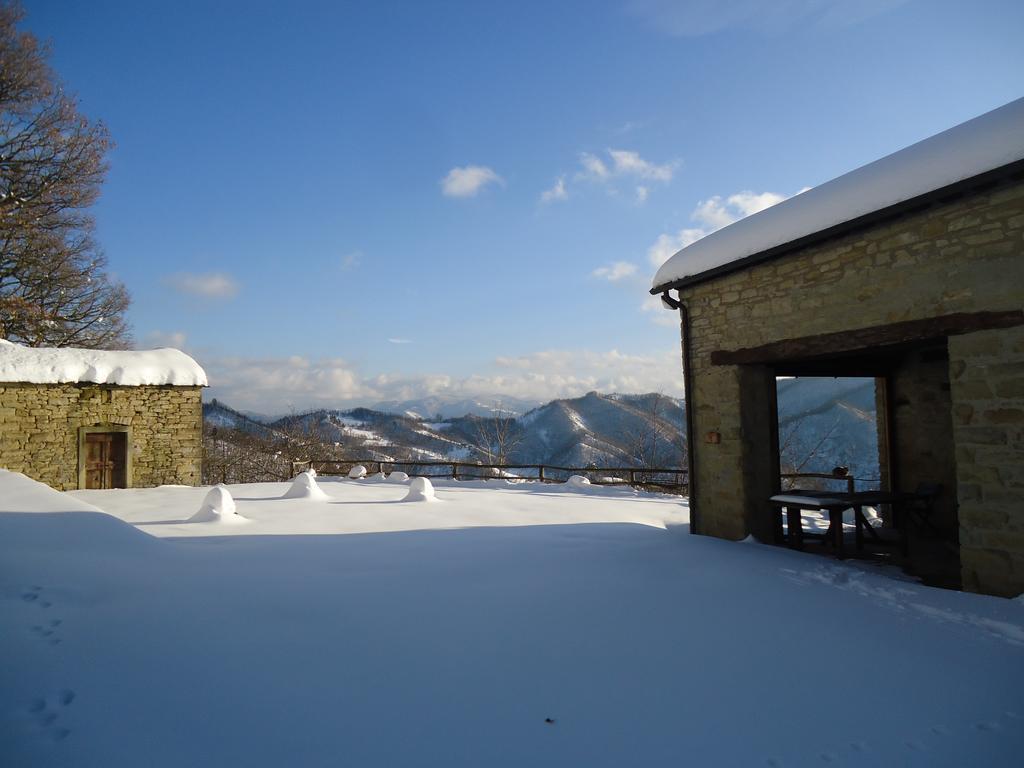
point(879, 422)
point(106, 460)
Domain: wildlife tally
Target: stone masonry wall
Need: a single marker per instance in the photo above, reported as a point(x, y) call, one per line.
point(962, 256)
point(988, 424)
point(39, 430)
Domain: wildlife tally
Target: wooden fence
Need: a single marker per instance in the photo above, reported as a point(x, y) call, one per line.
point(669, 479)
point(849, 480)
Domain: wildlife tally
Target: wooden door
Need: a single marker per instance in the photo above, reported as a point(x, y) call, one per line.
point(106, 460)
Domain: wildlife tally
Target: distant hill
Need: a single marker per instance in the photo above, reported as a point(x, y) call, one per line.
point(823, 423)
point(218, 414)
point(449, 407)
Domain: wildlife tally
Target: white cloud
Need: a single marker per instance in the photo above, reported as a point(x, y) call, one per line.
point(659, 315)
point(712, 214)
point(629, 126)
point(623, 166)
point(158, 339)
point(277, 385)
point(468, 180)
point(593, 167)
point(624, 163)
point(557, 192)
point(668, 244)
point(616, 271)
point(715, 213)
point(702, 17)
point(570, 373)
point(630, 163)
point(399, 341)
point(351, 260)
point(209, 284)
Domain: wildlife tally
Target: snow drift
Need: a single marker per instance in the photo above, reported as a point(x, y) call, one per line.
point(217, 507)
point(420, 489)
point(49, 365)
point(304, 486)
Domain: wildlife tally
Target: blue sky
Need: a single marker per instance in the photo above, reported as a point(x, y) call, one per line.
point(341, 203)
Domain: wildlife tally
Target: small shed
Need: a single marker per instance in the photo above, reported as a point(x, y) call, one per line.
point(84, 418)
point(909, 270)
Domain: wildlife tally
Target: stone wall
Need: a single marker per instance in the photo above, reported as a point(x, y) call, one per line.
point(987, 371)
point(962, 256)
point(39, 426)
point(923, 452)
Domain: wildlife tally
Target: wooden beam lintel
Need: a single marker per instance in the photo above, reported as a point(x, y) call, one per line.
point(862, 340)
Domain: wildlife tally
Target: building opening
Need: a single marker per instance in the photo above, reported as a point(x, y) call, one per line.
point(868, 442)
point(104, 461)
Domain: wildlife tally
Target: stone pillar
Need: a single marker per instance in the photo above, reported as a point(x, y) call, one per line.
point(733, 455)
point(760, 448)
point(718, 451)
point(987, 389)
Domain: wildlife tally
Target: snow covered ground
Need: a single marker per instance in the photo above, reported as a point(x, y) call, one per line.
point(503, 625)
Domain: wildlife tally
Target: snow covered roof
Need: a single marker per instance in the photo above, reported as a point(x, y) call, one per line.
point(983, 144)
point(48, 365)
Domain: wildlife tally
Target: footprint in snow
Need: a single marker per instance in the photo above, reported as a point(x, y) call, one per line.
point(46, 712)
point(48, 630)
point(34, 594)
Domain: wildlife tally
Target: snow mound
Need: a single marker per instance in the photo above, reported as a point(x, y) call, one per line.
point(398, 477)
point(34, 518)
point(217, 507)
point(47, 365)
point(357, 472)
point(577, 481)
point(420, 489)
point(304, 487)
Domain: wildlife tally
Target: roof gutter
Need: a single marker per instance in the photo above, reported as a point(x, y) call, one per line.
point(691, 479)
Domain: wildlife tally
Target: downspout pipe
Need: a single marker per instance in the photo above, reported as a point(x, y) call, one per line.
point(691, 477)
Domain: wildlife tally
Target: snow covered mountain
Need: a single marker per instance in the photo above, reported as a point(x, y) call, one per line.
point(450, 407)
point(823, 423)
point(222, 416)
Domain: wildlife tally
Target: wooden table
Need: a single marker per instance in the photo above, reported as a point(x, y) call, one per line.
point(792, 502)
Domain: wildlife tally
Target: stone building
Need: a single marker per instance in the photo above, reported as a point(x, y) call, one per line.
point(78, 418)
point(909, 270)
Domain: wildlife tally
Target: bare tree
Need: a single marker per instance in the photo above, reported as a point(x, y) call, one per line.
point(793, 458)
point(653, 441)
point(498, 435)
point(53, 286)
